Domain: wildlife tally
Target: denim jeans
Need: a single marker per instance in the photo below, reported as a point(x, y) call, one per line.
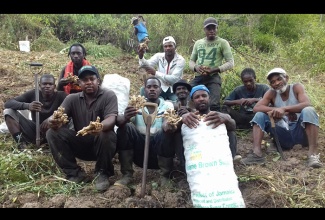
point(296, 133)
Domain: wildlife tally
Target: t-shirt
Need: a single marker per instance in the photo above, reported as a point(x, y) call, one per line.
point(211, 53)
point(21, 102)
point(241, 92)
point(104, 105)
point(142, 31)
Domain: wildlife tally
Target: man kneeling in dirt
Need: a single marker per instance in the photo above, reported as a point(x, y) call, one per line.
point(96, 145)
point(131, 134)
point(296, 120)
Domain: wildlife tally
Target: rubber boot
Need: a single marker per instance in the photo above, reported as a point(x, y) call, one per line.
point(166, 167)
point(126, 162)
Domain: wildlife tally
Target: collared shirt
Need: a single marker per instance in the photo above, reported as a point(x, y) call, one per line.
point(167, 74)
point(104, 105)
point(157, 124)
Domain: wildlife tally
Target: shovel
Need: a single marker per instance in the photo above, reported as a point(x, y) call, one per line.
point(276, 139)
point(38, 66)
point(148, 120)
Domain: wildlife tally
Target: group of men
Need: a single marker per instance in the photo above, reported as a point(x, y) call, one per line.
point(84, 101)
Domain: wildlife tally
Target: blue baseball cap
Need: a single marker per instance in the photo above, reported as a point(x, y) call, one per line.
point(199, 87)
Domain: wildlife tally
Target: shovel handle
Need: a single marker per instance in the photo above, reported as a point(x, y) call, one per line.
point(272, 121)
point(145, 158)
point(276, 139)
point(39, 65)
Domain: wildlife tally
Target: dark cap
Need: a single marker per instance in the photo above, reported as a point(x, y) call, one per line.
point(182, 82)
point(87, 69)
point(210, 21)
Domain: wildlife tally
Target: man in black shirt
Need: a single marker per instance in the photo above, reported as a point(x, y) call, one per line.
point(23, 129)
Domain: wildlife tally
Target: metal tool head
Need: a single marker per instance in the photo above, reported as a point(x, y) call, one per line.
point(152, 107)
point(36, 66)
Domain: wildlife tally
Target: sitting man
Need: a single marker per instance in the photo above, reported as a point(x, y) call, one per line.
point(170, 66)
point(191, 119)
point(209, 163)
point(22, 129)
point(185, 105)
point(245, 97)
point(296, 120)
point(131, 134)
point(66, 81)
point(182, 91)
point(98, 145)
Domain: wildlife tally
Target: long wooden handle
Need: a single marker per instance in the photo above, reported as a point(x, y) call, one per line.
point(145, 160)
point(38, 138)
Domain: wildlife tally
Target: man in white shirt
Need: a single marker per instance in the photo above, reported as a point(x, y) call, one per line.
point(170, 66)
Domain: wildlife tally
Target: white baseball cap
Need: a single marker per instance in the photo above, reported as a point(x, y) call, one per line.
point(169, 39)
point(276, 70)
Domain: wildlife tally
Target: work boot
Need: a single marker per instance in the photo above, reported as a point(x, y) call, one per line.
point(126, 162)
point(166, 166)
point(101, 181)
point(80, 177)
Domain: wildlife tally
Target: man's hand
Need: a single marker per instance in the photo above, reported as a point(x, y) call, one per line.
point(53, 123)
point(66, 81)
point(149, 69)
point(182, 110)
point(276, 113)
point(141, 51)
point(44, 126)
point(35, 106)
point(191, 119)
point(216, 118)
point(94, 128)
point(130, 112)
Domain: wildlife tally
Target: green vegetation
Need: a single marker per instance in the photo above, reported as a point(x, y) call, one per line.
point(292, 41)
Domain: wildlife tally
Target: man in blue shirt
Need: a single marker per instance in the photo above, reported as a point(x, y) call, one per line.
point(140, 28)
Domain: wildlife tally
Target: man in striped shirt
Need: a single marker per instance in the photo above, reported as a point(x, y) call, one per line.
point(131, 135)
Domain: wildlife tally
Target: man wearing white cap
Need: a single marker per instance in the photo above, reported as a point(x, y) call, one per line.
point(170, 67)
point(207, 59)
point(296, 120)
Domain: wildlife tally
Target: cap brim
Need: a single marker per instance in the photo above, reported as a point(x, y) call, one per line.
point(87, 72)
point(188, 86)
point(210, 24)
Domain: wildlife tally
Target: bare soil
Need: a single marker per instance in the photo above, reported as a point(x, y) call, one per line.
point(260, 185)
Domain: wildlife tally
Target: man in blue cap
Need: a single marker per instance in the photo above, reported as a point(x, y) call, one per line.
point(97, 145)
point(200, 96)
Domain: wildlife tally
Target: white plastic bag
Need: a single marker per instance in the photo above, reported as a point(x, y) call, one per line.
point(121, 86)
point(209, 167)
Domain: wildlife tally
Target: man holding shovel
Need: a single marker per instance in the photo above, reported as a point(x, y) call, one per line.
point(296, 121)
point(131, 136)
point(22, 129)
